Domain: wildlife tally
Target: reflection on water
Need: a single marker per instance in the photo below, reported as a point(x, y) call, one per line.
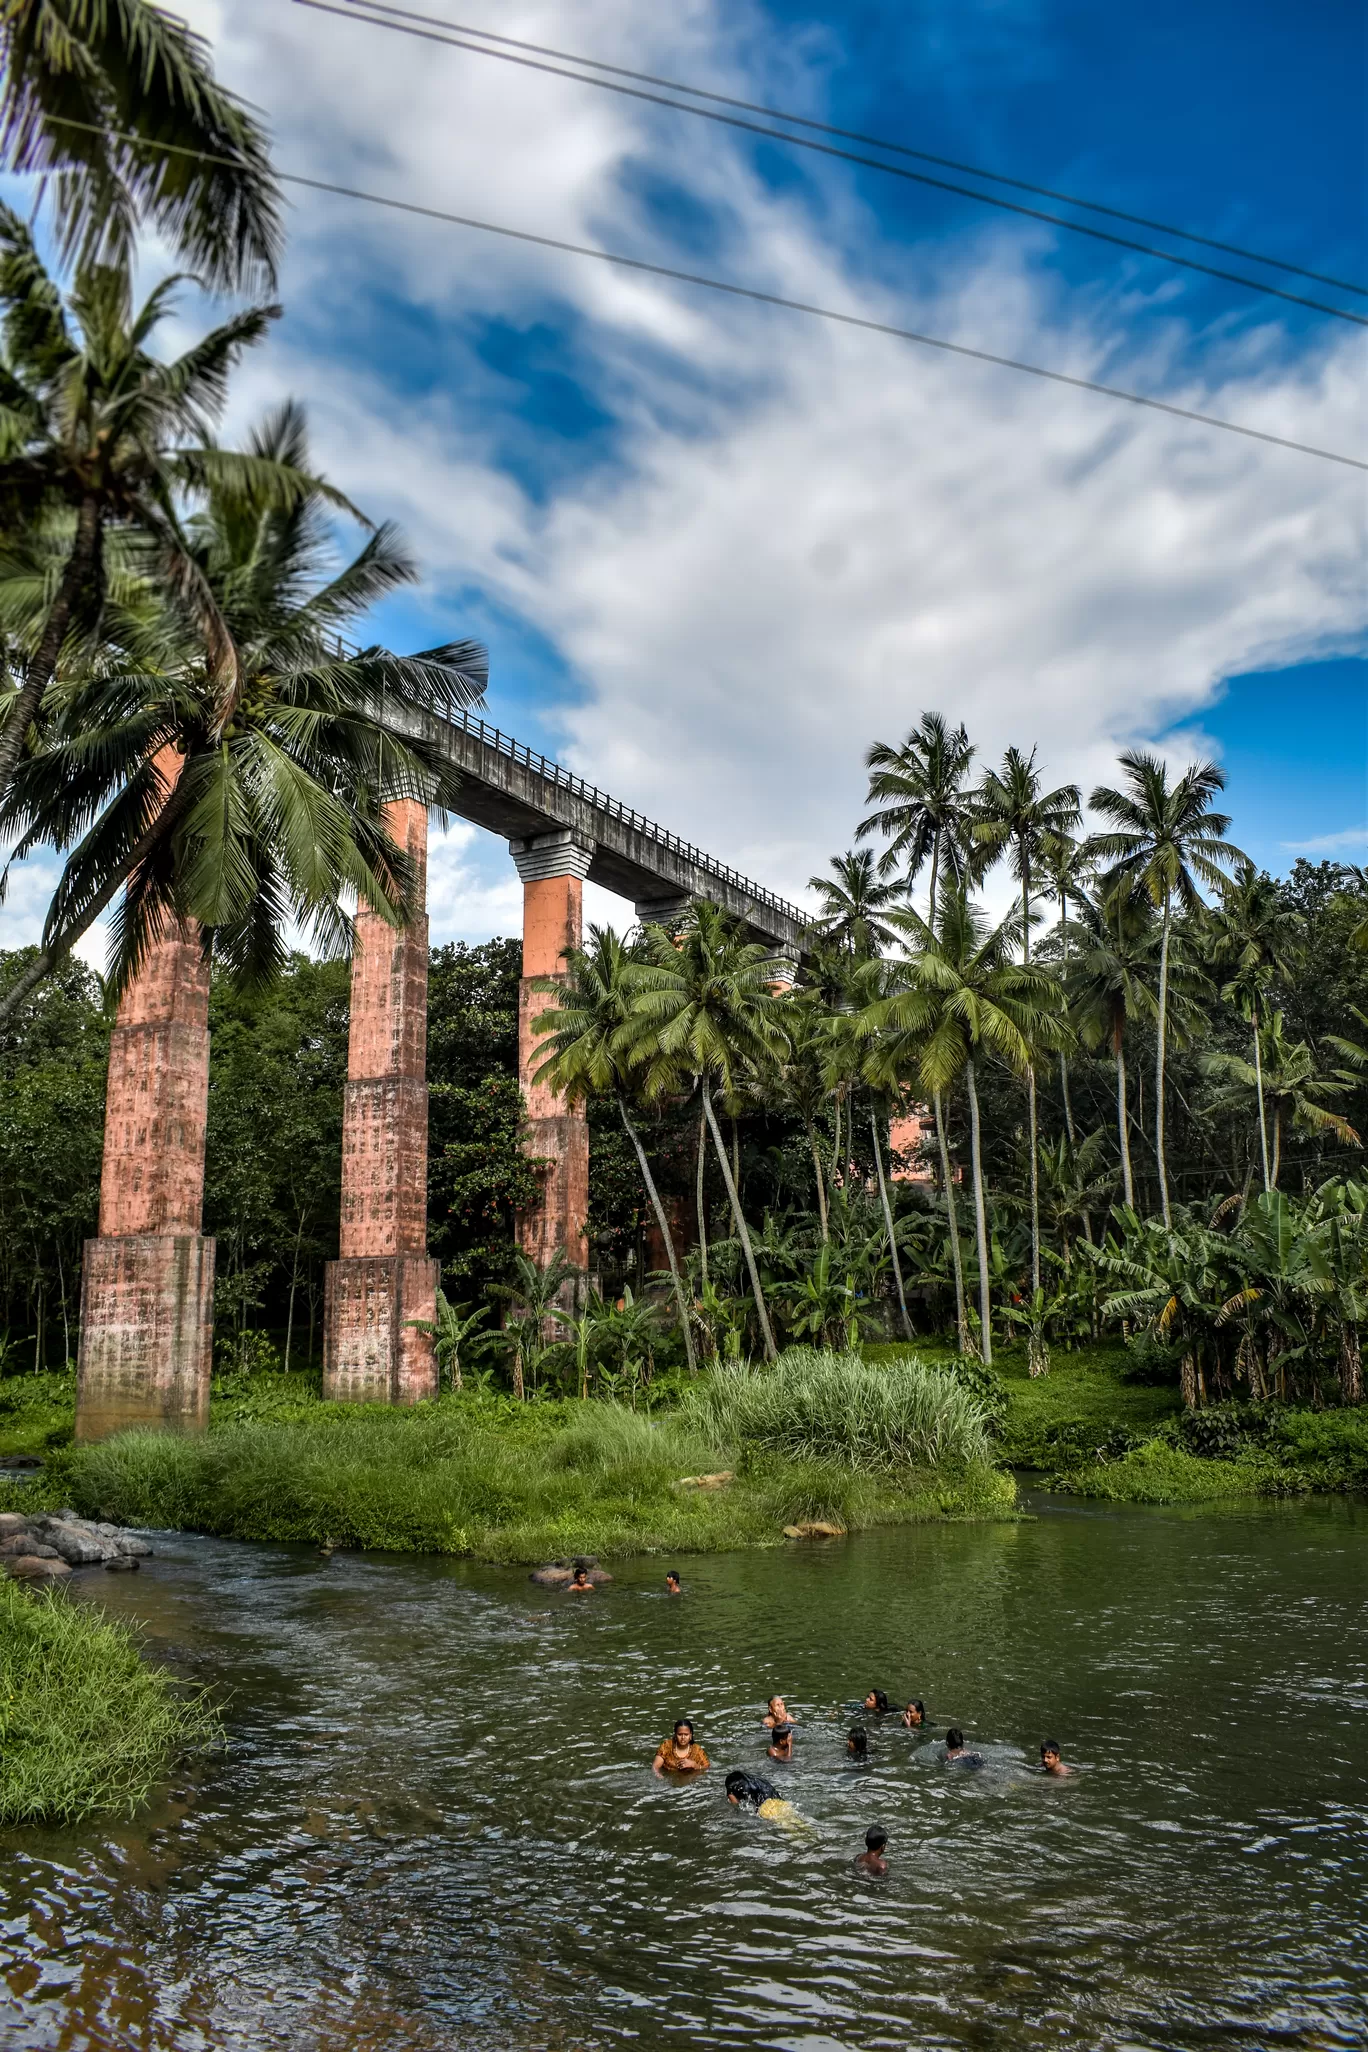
point(436, 1826)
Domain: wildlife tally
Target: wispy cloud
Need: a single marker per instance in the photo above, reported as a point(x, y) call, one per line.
point(1345, 843)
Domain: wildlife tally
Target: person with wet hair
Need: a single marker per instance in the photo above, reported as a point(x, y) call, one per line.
point(776, 1712)
point(752, 1791)
point(681, 1752)
point(914, 1715)
point(1051, 1759)
point(871, 1861)
point(857, 1742)
point(781, 1742)
point(877, 1702)
point(579, 1583)
point(957, 1754)
point(673, 1586)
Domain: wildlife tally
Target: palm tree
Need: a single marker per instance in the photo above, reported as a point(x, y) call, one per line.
point(279, 814)
point(1067, 865)
point(1014, 813)
point(1169, 840)
point(103, 435)
point(1288, 1079)
point(962, 998)
point(1255, 939)
point(853, 904)
point(703, 1007)
point(115, 105)
point(924, 812)
point(588, 1039)
point(1110, 984)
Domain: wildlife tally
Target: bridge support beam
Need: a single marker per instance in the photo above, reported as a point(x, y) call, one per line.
point(383, 1277)
point(147, 1282)
point(553, 868)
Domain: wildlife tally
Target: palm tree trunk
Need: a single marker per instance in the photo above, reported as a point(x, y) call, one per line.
point(980, 1214)
point(1160, 1051)
point(1034, 1132)
point(1277, 1144)
point(817, 1176)
point(888, 1225)
point(743, 1232)
point(699, 1200)
point(1063, 1058)
point(836, 1141)
point(931, 895)
point(43, 663)
point(1258, 1084)
point(663, 1222)
point(957, 1262)
point(1123, 1124)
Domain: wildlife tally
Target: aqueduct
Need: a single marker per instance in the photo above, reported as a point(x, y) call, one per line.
point(148, 1279)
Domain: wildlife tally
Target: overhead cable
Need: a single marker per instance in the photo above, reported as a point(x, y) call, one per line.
point(751, 292)
point(376, 15)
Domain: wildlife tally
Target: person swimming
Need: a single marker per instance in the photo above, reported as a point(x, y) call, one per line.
point(781, 1742)
point(752, 1791)
point(681, 1752)
point(871, 1861)
point(877, 1701)
point(579, 1583)
point(914, 1714)
point(672, 1584)
point(776, 1712)
point(857, 1742)
point(1051, 1760)
point(957, 1754)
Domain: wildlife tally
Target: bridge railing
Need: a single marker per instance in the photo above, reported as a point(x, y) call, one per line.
point(543, 766)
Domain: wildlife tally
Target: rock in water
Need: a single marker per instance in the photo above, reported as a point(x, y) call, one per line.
point(28, 1568)
point(122, 1564)
point(550, 1577)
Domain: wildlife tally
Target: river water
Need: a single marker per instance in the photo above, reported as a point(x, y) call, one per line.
point(436, 1827)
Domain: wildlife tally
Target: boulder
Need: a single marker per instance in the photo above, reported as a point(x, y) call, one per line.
point(813, 1528)
point(129, 1542)
point(77, 1547)
point(30, 1568)
point(550, 1577)
point(28, 1548)
point(122, 1564)
point(18, 1542)
point(12, 1522)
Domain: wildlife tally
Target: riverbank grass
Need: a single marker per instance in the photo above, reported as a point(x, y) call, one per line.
point(86, 1724)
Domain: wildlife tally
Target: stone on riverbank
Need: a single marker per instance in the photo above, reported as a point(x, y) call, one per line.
point(62, 1541)
point(29, 1568)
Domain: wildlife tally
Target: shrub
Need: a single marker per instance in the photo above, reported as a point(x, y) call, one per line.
point(85, 1724)
point(1159, 1472)
point(819, 1406)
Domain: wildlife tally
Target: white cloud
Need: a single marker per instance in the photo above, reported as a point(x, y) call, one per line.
point(809, 535)
point(1349, 842)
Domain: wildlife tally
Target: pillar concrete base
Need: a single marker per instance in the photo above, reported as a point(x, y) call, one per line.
point(147, 1319)
point(371, 1353)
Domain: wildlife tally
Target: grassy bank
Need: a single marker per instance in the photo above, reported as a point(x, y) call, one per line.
point(498, 1480)
point(85, 1723)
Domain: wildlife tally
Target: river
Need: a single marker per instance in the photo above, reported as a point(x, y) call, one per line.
point(435, 1826)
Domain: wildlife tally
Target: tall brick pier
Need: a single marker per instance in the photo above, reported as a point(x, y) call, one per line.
point(553, 868)
point(147, 1285)
point(383, 1277)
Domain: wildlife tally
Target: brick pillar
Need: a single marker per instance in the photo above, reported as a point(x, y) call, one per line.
point(552, 868)
point(383, 1277)
point(147, 1282)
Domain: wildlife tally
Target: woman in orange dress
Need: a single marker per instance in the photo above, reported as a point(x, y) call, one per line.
point(681, 1752)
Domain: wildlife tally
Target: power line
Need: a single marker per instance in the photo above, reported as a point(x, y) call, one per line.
point(403, 23)
point(824, 313)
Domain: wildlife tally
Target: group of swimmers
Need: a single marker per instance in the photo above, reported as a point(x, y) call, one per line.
point(681, 1754)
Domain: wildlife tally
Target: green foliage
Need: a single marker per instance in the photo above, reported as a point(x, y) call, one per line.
point(85, 1724)
point(813, 1405)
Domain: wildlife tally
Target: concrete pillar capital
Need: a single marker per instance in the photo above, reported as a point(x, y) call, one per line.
point(667, 910)
point(545, 855)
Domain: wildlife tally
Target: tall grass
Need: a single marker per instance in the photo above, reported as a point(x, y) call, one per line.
point(492, 1479)
point(815, 1406)
point(85, 1723)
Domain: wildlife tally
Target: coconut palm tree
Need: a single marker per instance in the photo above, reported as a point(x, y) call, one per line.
point(1111, 982)
point(1288, 1079)
point(97, 435)
point(1066, 865)
point(853, 904)
point(588, 1040)
point(278, 815)
point(798, 1080)
point(114, 104)
point(923, 806)
point(1254, 940)
point(702, 1007)
point(962, 998)
point(1169, 839)
point(1016, 815)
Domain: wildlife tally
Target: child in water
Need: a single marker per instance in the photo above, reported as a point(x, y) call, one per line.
point(781, 1742)
point(871, 1861)
point(857, 1743)
point(681, 1752)
point(579, 1584)
point(914, 1715)
point(877, 1701)
point(754, 1792)
point(776, 1712)
point(1050, 1759)
point(957, 1754)
point(672, 1584)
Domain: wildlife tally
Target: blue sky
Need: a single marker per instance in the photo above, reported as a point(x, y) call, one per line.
point(718, 550)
